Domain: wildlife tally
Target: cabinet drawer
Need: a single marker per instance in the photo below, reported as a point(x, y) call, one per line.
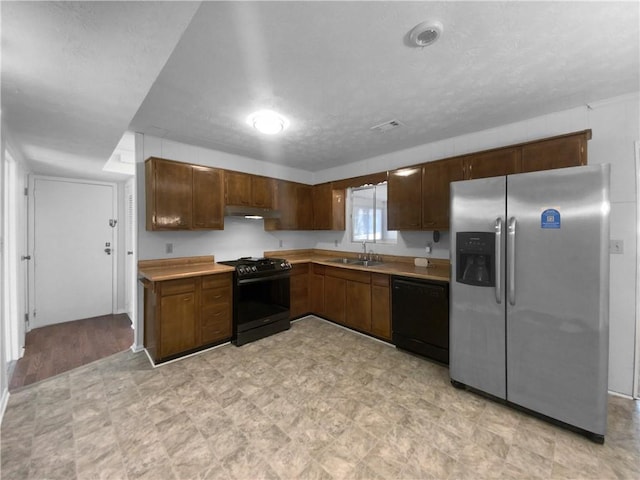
point(380, 279)
point(218, 280)
point(173, 287)
point(300, 269)
point(347, 274)
point(215, 296)
point(216, 314)
point(216, 328)
point(318, 269)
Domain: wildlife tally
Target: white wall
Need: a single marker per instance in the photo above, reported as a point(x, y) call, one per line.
point(4, 383)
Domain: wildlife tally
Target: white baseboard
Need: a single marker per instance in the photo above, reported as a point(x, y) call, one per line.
point(136, 348)
point(621, 395)
point(3, 403)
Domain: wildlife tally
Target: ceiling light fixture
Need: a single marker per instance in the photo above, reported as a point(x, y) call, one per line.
point(268, 122)
point(425, 33)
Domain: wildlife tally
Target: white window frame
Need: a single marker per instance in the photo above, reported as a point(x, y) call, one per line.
point(389, 240)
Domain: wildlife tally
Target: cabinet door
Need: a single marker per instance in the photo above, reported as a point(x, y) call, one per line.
point(436, 177)
point(171, 189)
point(177, 323)
point(208, 198)
point(304, 207)
point(322, 206)
point(493, 164)
point(299, 296)
point(404, 199)
point(316, 280)
point(358, 305)
point(570, 151)
point(380, 306)
point(237, 188)
point(262, 189)
point(286, 205)
point(335, 302)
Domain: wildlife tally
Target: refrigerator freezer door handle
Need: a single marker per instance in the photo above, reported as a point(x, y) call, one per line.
point(498, 257)
point(511, 261)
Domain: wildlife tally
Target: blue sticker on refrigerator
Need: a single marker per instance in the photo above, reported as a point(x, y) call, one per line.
point(550, 218)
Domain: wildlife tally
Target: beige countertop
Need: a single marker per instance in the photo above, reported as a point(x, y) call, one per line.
point(391, 265)
point(185, 267)
point(182, 267)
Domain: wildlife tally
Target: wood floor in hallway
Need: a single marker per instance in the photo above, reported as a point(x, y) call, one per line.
point(59, 348)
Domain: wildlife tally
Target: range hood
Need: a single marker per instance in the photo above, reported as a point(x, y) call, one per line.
point(250, 212)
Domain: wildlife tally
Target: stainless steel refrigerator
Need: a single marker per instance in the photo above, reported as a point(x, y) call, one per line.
point(529, 292)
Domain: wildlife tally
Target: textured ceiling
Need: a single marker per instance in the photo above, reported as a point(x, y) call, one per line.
point(74, 74)
point(334, 68)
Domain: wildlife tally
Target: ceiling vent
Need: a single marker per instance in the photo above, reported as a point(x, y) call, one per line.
point(386, 126)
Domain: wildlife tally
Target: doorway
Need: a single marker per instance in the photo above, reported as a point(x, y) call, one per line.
point(72, 294)
point(73, 250)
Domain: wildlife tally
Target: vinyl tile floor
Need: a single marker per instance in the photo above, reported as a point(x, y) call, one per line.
point(315, 402)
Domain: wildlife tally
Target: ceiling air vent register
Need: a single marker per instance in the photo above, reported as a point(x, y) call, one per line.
point(386, 126)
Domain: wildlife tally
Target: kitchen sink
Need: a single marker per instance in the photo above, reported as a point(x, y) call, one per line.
point(355, 261)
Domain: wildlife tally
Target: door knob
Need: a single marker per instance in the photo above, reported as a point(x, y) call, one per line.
point(25, 257)
point(130, 252)
point(108, 251)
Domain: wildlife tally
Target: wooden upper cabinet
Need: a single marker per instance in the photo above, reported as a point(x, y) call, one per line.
point(304, 206)
point(494, 163)
point(436, 177)
point(168, 188)
point(328, 207)
point(294, 201)
point(566, 151)
point(181, 196)
point(404, 199)
point(208, 198)
point(248, 190)
point(237, 188)
point(262, 189)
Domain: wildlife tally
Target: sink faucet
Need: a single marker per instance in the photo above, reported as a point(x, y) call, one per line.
point(364, 250)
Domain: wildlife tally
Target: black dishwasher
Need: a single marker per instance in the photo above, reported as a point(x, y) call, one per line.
point(420, 317)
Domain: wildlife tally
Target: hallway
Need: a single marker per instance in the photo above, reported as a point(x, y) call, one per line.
point(55, 349)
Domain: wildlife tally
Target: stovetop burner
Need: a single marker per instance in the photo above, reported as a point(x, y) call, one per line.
point(258, 267)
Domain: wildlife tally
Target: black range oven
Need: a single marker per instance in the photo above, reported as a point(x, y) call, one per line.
point(260, 298)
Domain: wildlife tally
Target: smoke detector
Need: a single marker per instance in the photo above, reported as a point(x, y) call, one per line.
point(425, 33)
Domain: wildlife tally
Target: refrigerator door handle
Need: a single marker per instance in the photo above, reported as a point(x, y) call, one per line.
point(511, 261)
point(498, 259)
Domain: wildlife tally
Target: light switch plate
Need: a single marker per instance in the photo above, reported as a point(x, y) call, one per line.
point(616, 247)
point(169, 248)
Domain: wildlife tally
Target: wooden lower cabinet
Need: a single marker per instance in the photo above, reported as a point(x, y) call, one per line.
point(335, 300)
point(186, 314)
point(380, 306)
point(177, 312)
point(316, 284)
point(299, 290)
point(358, 312)
point(353, 298)
point(216, 311)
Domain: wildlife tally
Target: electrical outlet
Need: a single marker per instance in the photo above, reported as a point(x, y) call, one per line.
point(168, 248)
point(428, 248)
point(616, 247)
point(281, 243)
point(335, 243)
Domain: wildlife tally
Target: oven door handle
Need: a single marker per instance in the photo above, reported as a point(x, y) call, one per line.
point(280, 276)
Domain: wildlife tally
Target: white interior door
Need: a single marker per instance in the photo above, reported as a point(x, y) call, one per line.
point(73, 250)
point(129, 233)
